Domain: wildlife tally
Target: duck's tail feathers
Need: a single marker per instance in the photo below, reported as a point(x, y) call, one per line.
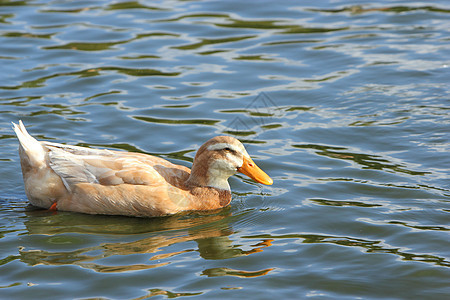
point(33, 148)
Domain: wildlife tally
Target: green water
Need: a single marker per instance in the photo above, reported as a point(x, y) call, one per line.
point(345, 104)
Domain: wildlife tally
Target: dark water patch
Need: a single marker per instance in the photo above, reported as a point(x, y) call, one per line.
point(127, 5)
point(368, 245)
point(424, 227)
point(238, 273)
point(27, 35)
point(367, 161)
point(358, 9)
point(207, 42)
point(168, 294)
point(342, 203)
point(141, 57)
point(84, 46)
point(41, 82)
point(102, 94)
point(178, 121)
point(255, 57)
point(13, 3)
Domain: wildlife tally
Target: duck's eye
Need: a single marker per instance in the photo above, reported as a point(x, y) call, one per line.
point(228, 149)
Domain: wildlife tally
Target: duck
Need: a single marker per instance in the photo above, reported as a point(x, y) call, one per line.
point(62, 177)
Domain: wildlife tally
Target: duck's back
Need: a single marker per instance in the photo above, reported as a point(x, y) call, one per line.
point(84, 165)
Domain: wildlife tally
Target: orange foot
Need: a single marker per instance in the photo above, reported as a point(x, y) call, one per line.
point(53, 207)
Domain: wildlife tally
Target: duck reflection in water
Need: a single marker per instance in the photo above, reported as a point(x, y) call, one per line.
point(211, 231)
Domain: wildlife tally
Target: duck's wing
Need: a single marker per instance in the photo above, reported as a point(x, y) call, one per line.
point(76, 165)
point(113, 182)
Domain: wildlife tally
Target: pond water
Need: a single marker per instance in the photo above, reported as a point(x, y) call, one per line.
point(345, 104)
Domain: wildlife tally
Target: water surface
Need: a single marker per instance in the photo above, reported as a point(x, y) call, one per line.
point(345, 104)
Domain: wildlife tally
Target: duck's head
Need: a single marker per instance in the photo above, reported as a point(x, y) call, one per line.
point(220, 158)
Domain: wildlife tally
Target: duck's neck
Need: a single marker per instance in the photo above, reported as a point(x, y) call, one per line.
point(210, 192)
point(201, 176)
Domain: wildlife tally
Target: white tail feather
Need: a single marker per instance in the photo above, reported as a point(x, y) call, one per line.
point(32, 148)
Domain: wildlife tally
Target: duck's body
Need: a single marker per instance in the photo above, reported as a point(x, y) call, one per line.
point(94, 181)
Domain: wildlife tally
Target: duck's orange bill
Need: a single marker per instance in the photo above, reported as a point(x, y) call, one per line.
point(250, 169)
